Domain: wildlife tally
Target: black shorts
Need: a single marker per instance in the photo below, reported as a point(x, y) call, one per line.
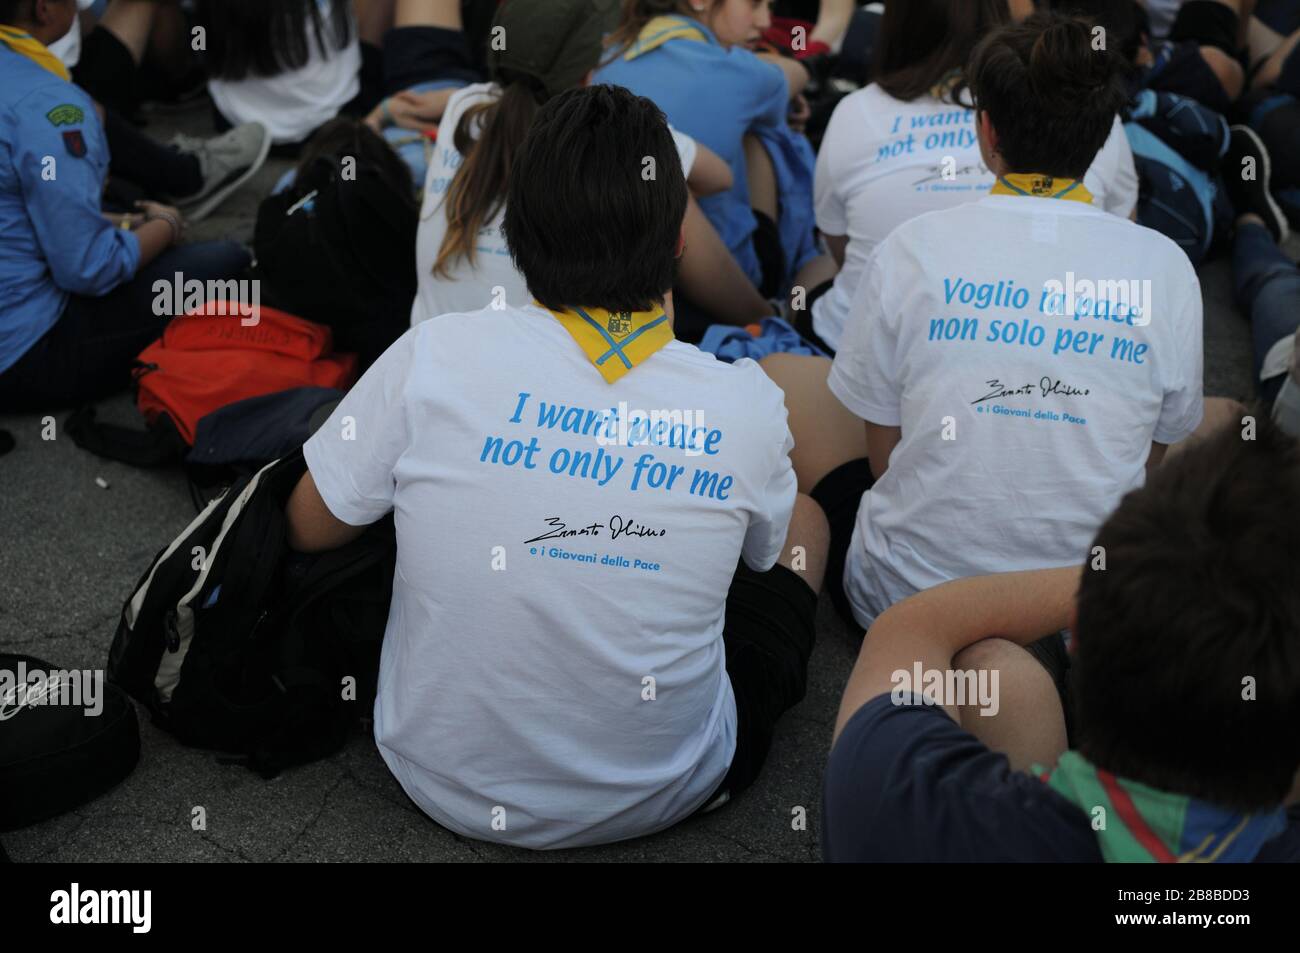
point(1288, 80)
point(1051, 653)
point(769, 633)
point(425, 54)
point(771, 254)
point(839, 494)
point(803, 319)
point(107, 71)
point(1185, 72)
point(1206, 23)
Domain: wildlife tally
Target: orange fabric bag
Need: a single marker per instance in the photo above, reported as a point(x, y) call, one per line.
point(206, 360)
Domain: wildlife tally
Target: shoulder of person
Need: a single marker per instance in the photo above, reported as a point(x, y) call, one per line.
point(956, 782)
point(748, 62)
point(49, 101)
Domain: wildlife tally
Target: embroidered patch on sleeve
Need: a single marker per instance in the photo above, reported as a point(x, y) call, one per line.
point(66, 115)
point(75, 142)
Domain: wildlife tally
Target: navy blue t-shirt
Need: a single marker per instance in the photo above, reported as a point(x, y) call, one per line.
point(907, 783)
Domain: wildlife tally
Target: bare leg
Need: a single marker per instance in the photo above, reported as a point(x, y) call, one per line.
point(807, 542)
point(374, 19)
point(710, 277)
point(1263, 40)
point(443, 13)
point(826, 434)
point(1029, 725)
point(169, 42)
point(762, 178)
point(1272, 69)
point(1226, 69)
point(833, 21)
point(131, 21)
point(817, 272)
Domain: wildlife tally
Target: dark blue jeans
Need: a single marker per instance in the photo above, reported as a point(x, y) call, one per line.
point(88, 353)
point(1267, 285)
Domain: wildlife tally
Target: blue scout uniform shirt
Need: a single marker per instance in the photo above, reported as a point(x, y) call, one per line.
point(716, 96)
point(54, 241)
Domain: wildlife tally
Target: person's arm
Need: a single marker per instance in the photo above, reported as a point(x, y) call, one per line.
point(933, 626)
point(312, 527)
point(1156, 457)
point(60, 171)
point(796, 74)
point(710, 173)
point(838, 246)
point(881, 442)
point(162, 228)
point(419, 112)
point(710, 277)
point(350, 481)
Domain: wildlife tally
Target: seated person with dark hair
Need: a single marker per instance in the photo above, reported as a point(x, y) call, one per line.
point(1186, 689)
point(572, 656)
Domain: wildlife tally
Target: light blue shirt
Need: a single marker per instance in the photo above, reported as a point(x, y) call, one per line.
point(54, 241)
point(715, 96)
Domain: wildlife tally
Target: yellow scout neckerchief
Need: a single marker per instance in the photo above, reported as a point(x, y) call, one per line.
point(615, 341)
point(662, 29)
point(24, 44)
point(1042, 187)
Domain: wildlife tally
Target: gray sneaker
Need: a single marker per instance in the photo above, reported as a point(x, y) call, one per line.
point(226, 163)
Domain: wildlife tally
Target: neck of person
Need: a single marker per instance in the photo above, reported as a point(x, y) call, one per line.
point(45, 35)
point(1001, 170)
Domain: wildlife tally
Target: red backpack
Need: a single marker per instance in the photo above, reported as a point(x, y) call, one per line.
point(206, 360)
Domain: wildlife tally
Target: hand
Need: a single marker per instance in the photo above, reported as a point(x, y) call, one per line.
point(411, 110)
point(800, 113)
point(131, 222)
point(156, 211)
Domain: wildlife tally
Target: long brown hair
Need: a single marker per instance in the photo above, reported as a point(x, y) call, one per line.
point(636, 14)
point(478, 189)
point(926, 43)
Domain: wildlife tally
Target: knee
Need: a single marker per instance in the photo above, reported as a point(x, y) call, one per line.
point(1226, 69)
point(986, 655)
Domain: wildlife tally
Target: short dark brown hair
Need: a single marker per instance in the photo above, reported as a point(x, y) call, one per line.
point(596, 203)
point(1199, 594)
point(1051, 97)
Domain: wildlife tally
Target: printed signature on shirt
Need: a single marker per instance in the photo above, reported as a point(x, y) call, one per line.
point(617, 525)
point(1047, 386)
point(938, 173)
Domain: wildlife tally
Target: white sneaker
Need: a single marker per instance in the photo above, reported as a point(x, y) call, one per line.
point(226, 163)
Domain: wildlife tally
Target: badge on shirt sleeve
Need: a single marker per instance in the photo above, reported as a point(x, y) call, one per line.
point(75, 142)
point(66, 115)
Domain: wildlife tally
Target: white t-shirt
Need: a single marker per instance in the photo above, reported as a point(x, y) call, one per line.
point(1015, 450)
point(884, 161)
point(1162, 14)
point(294, 104)
point(514, 678)
point(492, 277)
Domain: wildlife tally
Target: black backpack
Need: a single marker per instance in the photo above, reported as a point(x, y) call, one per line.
point(237, 644)
point(54, 758)
point(337, 247)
